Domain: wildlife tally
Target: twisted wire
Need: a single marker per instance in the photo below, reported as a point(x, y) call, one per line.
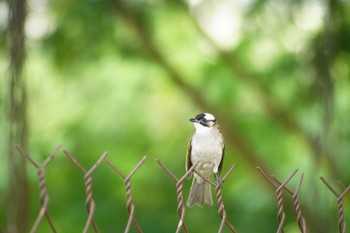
point(44, 198)
point(281, 216)
point(181, 210)
point(221, 206)
point(295, 195)
point(300, 218)
point(129, 204)
point(341, 218)
point(221, 209)
point(130, 207)
point(279, 186)
point(89, 201)
point(342, 223)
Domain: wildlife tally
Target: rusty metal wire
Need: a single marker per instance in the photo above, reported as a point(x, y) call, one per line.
point(300, 218)
point(218, 188)
point(90, 203)
point(222, 211)
point(44, 198)
point(279, 187)
point(221, 206)
point(181, 210)
point(129, 202)
point(341, 221)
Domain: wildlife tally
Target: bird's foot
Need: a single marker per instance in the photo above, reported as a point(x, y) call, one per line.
point(218, 180)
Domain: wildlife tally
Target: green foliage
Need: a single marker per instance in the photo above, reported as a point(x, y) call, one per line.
point(106, 77)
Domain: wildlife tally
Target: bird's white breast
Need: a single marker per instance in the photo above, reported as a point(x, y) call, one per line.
point(207, 149)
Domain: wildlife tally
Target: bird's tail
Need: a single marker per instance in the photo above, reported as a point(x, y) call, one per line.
point(200, 193)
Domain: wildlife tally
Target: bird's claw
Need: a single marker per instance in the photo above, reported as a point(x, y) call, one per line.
point(218, 180)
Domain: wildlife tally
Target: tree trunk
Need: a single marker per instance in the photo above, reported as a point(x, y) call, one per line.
point(17, 185)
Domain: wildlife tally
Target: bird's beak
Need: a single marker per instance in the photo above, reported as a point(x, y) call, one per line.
point(193, 120)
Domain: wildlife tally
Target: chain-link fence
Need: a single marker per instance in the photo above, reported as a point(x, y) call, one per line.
point(279, 186)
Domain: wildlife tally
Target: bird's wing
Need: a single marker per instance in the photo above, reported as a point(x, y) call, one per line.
point(222, 160)
point(188, 158)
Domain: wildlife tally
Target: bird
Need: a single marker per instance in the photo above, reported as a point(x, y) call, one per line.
point(206, 151)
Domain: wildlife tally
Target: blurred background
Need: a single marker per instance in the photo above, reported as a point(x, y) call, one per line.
point(125, 76)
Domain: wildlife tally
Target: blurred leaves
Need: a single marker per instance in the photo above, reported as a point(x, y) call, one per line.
point(125, 76)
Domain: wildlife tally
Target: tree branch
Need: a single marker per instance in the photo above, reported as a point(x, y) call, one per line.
point(274, 109)
point(232, 134)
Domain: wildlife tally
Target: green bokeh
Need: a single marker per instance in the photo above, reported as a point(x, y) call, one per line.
point(105, 77)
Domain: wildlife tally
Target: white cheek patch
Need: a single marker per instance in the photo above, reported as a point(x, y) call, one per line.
point(210, 123)
point(200, 128)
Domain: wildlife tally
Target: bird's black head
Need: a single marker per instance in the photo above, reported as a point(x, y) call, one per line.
point(205, 119)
